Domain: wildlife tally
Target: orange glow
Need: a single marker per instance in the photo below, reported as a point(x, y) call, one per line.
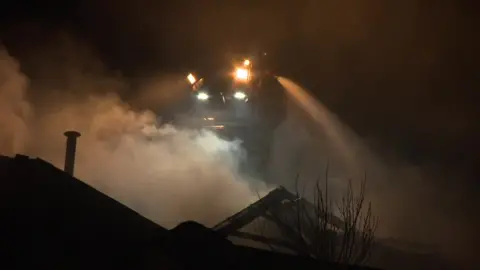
point(216, 127)
point(191, 78)
point(242, 74)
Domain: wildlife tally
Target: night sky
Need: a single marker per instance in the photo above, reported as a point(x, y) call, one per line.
point(401, 72)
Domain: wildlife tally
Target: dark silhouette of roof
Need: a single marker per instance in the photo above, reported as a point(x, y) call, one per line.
point(51, 220)
point(279, 199)
point(49, 216)
point(282, 203)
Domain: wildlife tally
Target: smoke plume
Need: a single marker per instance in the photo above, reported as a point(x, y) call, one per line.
point(14, 109)
point(412, 204)
point(167, 174)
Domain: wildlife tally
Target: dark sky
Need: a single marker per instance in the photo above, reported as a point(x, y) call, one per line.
point(401, 71)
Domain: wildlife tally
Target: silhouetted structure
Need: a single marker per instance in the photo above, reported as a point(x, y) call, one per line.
point(51, 219)
point(54, 221)
point(70, 151)
point(278, 200)
point(282, 203)
point(279, 207)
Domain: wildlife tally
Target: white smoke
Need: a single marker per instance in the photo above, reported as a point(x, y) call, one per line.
point(14, 110)
point(167, 174)
point(409, 200)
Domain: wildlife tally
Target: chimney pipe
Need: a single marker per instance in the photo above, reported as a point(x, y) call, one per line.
point(70, 151)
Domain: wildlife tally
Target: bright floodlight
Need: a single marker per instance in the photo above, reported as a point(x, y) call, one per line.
point(246, 62)
point(242, 74)
point(240, 95)
point(202, 96)
point(191, 78)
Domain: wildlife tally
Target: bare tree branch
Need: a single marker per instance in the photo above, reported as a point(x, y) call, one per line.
point(314, 230)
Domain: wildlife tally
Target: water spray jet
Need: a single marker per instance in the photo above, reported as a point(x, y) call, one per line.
point(329, 138)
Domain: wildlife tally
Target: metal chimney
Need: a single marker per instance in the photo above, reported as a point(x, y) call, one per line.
point(70, 151)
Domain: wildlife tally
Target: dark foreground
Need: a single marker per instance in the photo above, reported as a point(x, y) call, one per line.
point(51, 220)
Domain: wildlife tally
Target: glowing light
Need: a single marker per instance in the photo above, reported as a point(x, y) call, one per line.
point(191, 78)
point(203, 96)
point(246, 62)
point(215, 127)
point(242, 74)
point(240, 95)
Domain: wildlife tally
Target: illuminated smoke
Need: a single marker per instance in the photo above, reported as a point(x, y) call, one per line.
point(168, 175)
